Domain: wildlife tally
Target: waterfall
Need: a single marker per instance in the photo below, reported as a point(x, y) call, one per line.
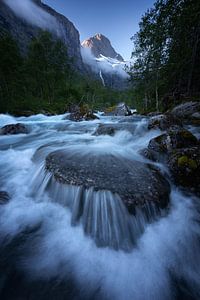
point(102, 79)
point(102, 214)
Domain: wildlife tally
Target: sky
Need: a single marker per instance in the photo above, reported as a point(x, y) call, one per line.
point(116, 20)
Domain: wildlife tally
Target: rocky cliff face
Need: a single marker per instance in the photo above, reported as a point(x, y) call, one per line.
point(24, 29)
point(100, 45)
point(25, 23)
point(99, 54)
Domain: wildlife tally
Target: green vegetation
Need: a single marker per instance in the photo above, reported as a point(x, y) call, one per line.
point(165, 71)
point(45, 81)
point(167, 55)
point(184, 161)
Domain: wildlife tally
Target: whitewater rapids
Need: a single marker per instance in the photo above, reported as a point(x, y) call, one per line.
point(39, 242)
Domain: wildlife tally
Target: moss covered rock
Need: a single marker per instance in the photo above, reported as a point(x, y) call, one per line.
point(175, 138)
point(184, 165)
point(162, 146)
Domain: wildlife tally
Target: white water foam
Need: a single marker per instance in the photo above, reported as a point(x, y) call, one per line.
point(166, 255)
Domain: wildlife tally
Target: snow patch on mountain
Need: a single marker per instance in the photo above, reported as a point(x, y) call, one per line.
point(103, 64)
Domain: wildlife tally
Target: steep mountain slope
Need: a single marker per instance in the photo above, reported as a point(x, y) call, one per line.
point(24, 19)
point(102, 58)
point(100, 45)
point(24, 24)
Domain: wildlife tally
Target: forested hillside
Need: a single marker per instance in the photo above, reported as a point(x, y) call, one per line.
point(166, 55)
point(45, 80)
point(165, 69)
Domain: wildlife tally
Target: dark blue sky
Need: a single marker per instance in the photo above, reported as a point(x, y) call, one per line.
point(118, 20)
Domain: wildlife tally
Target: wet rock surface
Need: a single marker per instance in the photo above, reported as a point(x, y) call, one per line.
point(186, 110)
point(179, 149)
point(184, 165)
point(121, 109)
point(77, 117)
point(14, 129)
point(135, 182)
point(164, 121)
point(162, 146)
point(81, 113)
point(174, 138)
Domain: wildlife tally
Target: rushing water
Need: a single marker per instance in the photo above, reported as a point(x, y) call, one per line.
point(44, 256)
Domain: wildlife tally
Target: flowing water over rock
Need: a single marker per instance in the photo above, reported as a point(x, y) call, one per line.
point(87, 217)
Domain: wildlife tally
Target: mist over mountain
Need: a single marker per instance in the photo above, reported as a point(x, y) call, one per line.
point(98, 53)
point(24, 19)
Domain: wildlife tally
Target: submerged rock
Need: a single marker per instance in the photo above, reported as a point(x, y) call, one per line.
point(131, 119)
point(111, 129)
point(13, 129)
point(4, 197)
point(135, 182)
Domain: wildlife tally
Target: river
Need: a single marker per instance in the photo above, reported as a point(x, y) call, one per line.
point(43, 256)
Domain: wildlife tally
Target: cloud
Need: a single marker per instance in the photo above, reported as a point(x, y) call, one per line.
point(33, 14)
point(89, 59)
point(103, 64)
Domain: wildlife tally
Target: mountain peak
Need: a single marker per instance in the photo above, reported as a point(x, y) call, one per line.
point(101, 45)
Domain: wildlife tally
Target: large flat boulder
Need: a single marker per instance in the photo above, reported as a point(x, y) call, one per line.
point(136, 183)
